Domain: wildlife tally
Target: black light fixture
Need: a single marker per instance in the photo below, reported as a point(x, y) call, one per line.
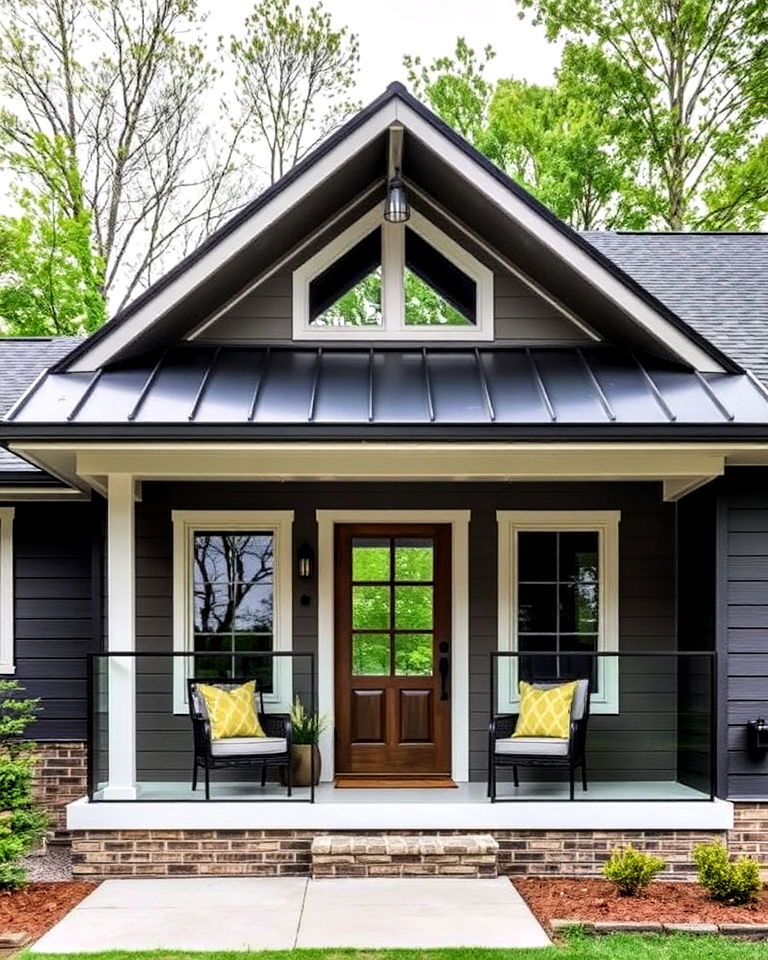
point(397, 209)
point(306, 562)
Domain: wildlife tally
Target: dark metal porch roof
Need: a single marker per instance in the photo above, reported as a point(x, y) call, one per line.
point(347, 386)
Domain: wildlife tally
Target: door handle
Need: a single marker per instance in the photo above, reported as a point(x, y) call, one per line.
point(443, 666)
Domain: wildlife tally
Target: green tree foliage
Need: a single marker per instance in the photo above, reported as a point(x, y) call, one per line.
point(295, 71)
point(689, 77)
point(122, 85)
point(50, 279)
point(22, 823)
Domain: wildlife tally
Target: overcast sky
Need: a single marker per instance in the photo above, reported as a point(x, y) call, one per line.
point(425, 27)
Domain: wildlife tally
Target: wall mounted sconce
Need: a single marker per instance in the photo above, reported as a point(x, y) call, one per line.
point(757, 738)
point(305, 559)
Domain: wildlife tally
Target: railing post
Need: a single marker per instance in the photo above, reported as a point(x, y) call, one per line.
point(121, 620)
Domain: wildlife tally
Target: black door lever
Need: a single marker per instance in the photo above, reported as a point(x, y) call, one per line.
point(443, 665)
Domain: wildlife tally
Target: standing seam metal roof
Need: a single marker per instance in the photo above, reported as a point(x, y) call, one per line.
point(408, 386)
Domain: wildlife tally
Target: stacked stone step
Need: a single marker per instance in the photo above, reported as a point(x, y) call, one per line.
point(359, 855)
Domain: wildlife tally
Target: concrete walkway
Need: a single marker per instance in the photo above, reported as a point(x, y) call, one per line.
point(265, 913)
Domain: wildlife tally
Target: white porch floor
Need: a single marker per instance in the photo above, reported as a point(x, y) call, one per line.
point(540, 806)
point(463, 793)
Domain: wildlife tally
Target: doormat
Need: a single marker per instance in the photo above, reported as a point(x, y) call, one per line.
point(395, 783)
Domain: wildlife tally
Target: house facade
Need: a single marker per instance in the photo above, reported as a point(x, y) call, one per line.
point(392, 462)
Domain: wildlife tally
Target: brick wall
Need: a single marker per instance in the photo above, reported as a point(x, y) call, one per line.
point(61, 776)
point(157, 853)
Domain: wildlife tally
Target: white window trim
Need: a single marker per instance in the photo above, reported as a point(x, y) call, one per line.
point(393, 326)
point(7, 632)
point(185, 524)
point(606, 524)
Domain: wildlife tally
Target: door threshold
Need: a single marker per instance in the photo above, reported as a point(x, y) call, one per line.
point(354, 782)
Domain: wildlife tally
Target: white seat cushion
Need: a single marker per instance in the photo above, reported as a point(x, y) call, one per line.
point(533, 746)
point(247, 746)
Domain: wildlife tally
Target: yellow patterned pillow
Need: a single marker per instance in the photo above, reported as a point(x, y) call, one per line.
point(545, 713)
point(232, 712)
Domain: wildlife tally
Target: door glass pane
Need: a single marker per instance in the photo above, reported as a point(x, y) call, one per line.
point(370, 559)
point(370, 608)
point(413, 654)
point(370, 655)
point(537, 557)
point(414, 559)
point(413, 608)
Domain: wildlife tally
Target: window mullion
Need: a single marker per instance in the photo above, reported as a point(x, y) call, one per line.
point(392, 276)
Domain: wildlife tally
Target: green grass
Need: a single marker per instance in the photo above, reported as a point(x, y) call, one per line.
point(618, 947)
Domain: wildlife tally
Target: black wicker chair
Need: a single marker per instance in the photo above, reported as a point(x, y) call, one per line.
point(271, 751)
point(505, 752)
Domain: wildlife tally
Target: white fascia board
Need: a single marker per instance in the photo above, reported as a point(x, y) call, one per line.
point(287, 815)
point(561, 245)
point(230, 245)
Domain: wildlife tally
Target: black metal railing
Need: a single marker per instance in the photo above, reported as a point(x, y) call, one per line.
point(165, 744)
point(652, 729)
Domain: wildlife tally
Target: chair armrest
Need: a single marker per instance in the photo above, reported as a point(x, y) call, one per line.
point(276, 725)
point(201, 731)
point(502, 726)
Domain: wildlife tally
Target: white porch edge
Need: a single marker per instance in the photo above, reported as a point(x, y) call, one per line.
point(539, 815)
point(459, 521)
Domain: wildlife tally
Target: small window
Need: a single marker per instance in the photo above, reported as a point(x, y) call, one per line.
point(7, 665)
point(232, 598)
point(348, 293)
point(437, 293)
point(393, 281)
point(558, 600)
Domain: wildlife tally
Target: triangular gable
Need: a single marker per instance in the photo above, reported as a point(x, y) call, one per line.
point(441, 168)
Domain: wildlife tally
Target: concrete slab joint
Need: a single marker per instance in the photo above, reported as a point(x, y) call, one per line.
point(469, 855)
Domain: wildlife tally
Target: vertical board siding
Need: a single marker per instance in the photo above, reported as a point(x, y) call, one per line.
point(55, 606)
point(745, 624)
point(639, 743)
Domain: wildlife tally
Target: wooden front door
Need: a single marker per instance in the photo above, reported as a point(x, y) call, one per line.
point(393, 655)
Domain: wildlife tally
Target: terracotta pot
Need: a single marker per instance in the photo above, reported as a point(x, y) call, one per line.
point(302, 764)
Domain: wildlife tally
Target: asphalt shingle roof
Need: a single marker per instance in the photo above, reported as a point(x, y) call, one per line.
point(22, 360)
point(716, 282)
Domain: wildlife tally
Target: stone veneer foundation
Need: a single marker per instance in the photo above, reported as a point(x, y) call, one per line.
point(61, 776)
point(188, 853)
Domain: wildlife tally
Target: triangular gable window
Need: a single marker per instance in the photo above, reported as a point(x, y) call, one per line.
point(388, 281)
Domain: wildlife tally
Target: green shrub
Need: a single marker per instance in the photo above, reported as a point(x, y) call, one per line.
point(729, 881)
point(22, 822)
point(632, 870)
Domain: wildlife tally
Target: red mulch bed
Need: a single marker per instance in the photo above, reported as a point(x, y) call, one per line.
point(36, 908)
point(585, 899)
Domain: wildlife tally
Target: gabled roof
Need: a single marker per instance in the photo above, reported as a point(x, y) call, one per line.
point(436, 160)
point(717, 282)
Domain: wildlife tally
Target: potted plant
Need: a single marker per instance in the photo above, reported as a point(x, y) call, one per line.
point(307, 728)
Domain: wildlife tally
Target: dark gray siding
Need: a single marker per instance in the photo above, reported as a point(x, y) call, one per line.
point(639, 743)
point(744, 625)
point(522, 316)
point(57, 609)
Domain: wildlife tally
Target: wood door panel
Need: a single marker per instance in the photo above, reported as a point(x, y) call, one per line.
point(416, 710)
point(393, 626)
point(369, 716)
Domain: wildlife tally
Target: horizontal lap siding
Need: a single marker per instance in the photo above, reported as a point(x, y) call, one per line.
point(745, 624)
point(55, 607)
point(521, 316)
point(638, 743)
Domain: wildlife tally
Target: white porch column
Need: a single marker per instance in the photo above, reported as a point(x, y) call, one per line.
point(121, 620)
